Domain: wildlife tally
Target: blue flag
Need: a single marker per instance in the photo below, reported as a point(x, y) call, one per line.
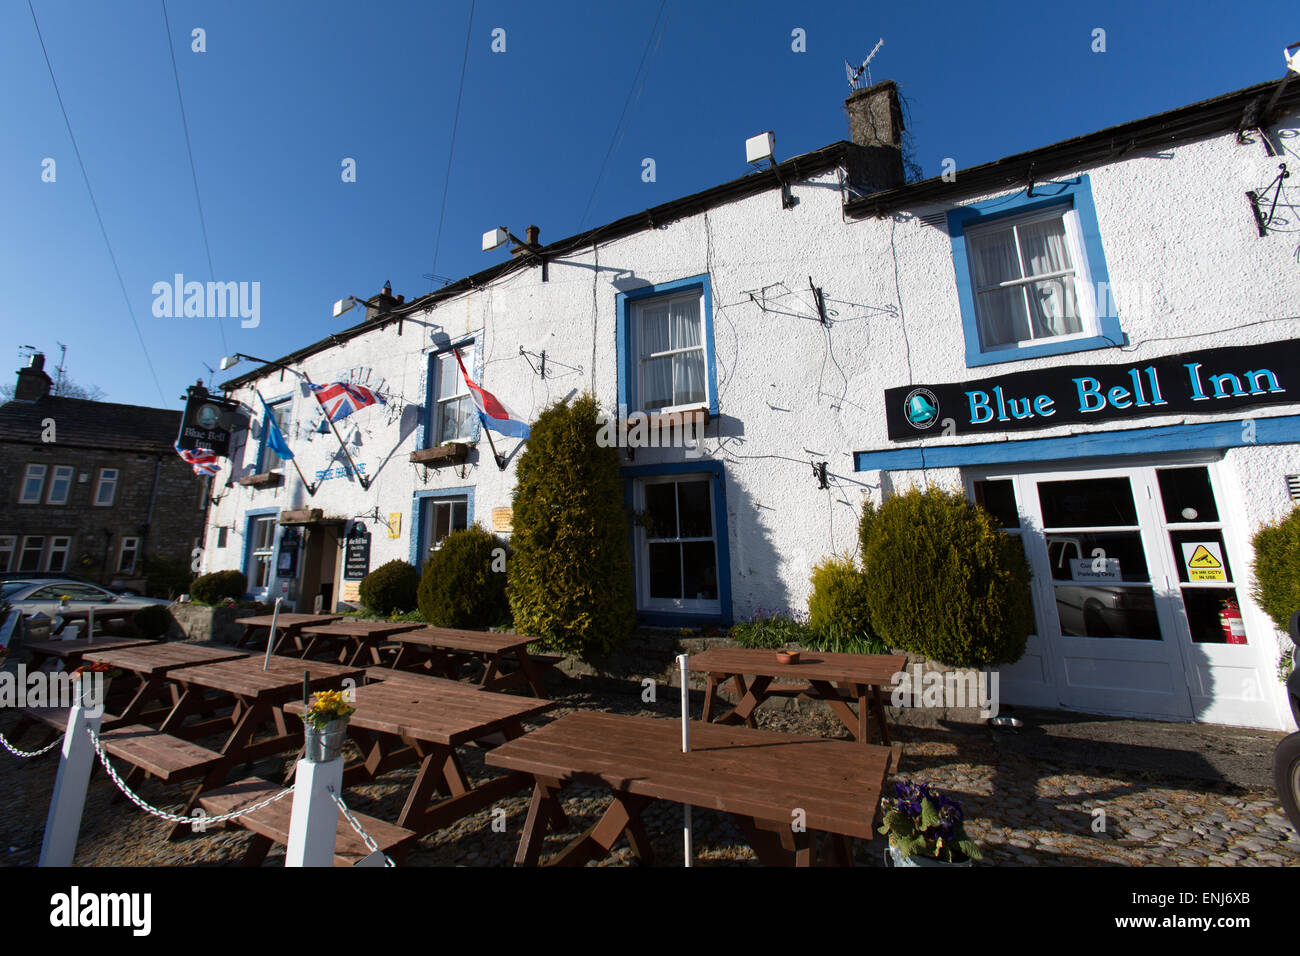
point(274, 437)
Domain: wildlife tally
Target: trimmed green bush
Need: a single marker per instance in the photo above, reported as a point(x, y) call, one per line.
point(390, 587)
point(152, 620)
point(167, 577)
point(1277, 568)
point(215, 587)
point(864, 528)
point(944, 581)
point(570, 576)
point(464, 581)
point(839, 598)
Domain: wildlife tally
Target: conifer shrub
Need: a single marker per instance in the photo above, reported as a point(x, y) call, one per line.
point(464, 581)
point(390, 587)
point(839, 598)
point(943, 580)
point(570, 575)
point(215, 587)
point(153, 620)
point(1277, 568)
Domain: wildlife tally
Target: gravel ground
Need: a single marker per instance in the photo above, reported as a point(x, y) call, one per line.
point(1023, 811)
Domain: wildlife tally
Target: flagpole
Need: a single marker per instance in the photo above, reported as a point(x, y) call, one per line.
point(365, 482)
point(311, 489)
point(493, 445)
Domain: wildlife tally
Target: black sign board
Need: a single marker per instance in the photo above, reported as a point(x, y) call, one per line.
point(356, 556)
point(1214, 380)
point(290, 545)
point(208, 423)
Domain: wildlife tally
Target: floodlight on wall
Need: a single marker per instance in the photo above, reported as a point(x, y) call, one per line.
point(762, 148)
point(348, 304)
point(496, 238)
point(1292, 56)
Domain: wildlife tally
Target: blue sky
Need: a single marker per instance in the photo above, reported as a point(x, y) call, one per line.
point(285, 91)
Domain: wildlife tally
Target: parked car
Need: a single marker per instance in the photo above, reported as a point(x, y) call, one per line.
point(43, 595)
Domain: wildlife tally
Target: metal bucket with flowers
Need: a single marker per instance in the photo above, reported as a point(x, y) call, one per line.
point(925, 828)
point(325, 726)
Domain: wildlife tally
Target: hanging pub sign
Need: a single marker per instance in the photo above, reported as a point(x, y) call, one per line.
point(209, 422)
point(356, 555)
point(1214, 380)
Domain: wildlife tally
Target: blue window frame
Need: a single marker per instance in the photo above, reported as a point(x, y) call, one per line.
point(681, 556)
point(268, 460)
point(1031, 275)
point(435, 514)
point(664, 340)
point(449, 412)
point(261, 539)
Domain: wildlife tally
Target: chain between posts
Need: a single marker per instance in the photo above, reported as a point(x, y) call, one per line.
point(172, 817)
point(34, 753)
point(371, 845)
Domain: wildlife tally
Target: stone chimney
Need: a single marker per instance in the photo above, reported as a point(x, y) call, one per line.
point(383, 302)
point(876, 125)
point(33, 383)
point(531, 242)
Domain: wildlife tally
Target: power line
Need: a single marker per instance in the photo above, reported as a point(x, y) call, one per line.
point(617, 135)
point(451, 150)
point(203, 226)
point(100, 219)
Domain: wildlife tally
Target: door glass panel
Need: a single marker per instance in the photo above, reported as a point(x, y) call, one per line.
point(1097, 556)
point(1107, 612)
point(1204, 605)
point(998, 498)
point(1209, 557)
point(1105, 502)
point(1187, 495)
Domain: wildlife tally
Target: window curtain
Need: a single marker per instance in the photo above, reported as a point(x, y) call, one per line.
point(656, 373)
point(688, 367)
point(1053, 309)
point(1001, 312)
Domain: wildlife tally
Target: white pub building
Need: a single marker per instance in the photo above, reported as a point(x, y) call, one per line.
point(1098, 340)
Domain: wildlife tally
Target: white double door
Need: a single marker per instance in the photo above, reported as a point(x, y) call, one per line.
point(1132, 568)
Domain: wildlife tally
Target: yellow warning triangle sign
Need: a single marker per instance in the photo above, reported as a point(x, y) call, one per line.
point(1202, 558)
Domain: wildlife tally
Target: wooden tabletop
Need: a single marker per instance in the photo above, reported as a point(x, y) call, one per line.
point(754, 773)
point(878, 669)
point(479, 642)
point(101, 611)
point(286, 620)
point(160, 658)
point(66, 649)
point(246, 678)
point(439, 711)
point(350, 628)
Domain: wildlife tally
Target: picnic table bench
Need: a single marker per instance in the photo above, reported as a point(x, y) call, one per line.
point(425, 719)
point(352, 640)
point(762, 779)
point(440, 650)
point(837, 679)
point(288, 628)
point(71, 652)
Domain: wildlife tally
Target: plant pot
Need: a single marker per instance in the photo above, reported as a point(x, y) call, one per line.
point(787, 657)
point(324, 743)
point(893, 858)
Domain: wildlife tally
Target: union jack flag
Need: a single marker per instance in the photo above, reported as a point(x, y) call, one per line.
point(203, 460)
point(341, 399)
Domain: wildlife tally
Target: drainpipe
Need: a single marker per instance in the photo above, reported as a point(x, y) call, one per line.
point(148, 518)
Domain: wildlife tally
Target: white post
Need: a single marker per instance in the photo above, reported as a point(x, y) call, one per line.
point(90, 623)
point(63, 823)
point(686, 748)
point(314, 823)
point(270, 639)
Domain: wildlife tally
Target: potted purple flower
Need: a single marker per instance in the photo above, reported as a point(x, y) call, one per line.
point(925, 828)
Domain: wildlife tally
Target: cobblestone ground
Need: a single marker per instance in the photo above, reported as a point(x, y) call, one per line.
point(1023, 812)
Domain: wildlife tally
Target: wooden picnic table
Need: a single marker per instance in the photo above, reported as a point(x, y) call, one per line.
point(425, 719)
point(71, 652)
point(103, 614)
point(149, 664)
point(762, 779)
point(838, 679)
point(440, 650)
point(352, 639)
point(288, 628)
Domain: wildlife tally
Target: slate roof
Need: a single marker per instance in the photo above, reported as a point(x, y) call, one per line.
point(85, 424)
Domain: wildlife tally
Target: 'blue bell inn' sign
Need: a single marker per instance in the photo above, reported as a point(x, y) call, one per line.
point(1193, 382)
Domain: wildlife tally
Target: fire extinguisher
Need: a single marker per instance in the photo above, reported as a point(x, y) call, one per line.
point(1234, 629)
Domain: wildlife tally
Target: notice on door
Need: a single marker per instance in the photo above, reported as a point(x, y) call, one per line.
point(1095, 569)
point(1204, 561)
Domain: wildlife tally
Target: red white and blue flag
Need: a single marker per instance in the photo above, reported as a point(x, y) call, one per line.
point(491, 410)
point(203, 460)
point(341, 399)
